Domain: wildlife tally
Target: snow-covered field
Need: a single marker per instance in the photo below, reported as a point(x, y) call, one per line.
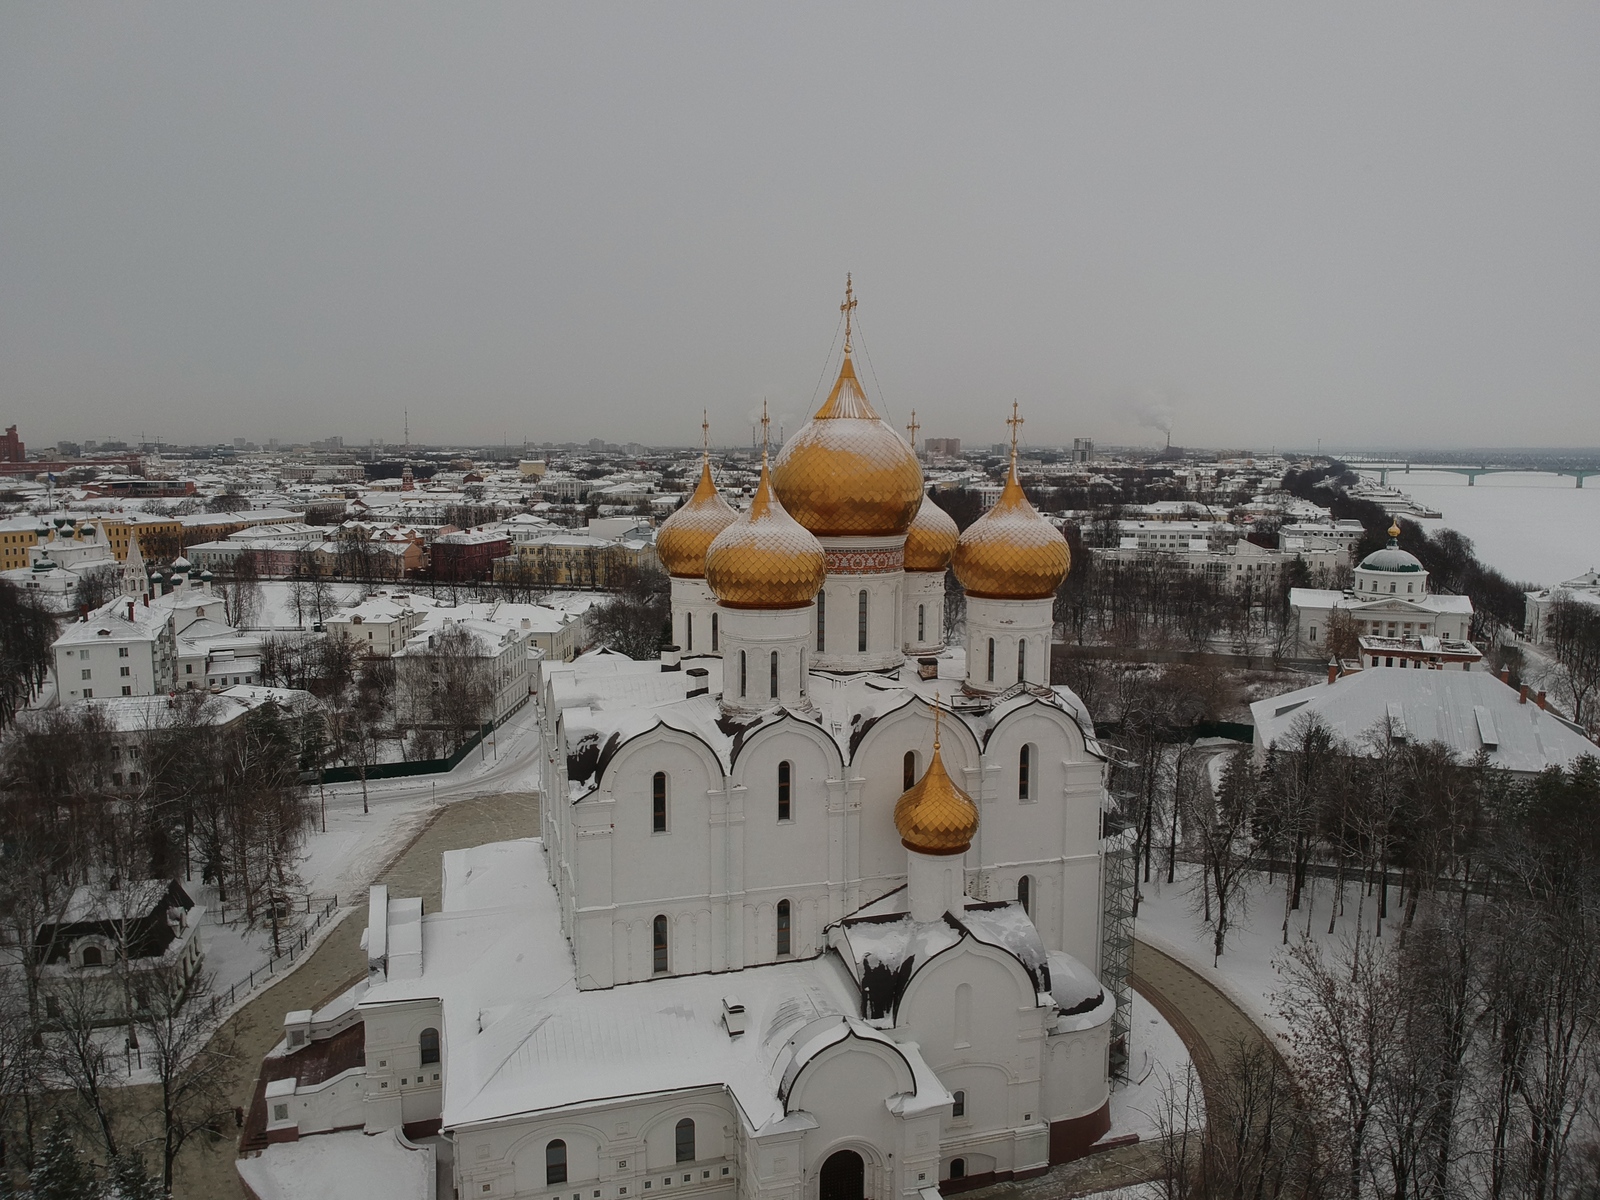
point(1250, 970)
point(1158, 1055)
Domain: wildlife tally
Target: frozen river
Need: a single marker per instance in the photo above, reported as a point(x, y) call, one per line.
point(1531, 527)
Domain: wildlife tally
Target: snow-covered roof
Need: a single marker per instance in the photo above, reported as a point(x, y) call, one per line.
point(342, 1166)
point(520, 1037)
point(1468, 711)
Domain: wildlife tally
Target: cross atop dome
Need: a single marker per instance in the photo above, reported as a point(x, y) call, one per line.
point(847, 308)
point(1016, 422)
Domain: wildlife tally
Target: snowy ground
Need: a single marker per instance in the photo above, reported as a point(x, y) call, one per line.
point(1158, 1056)
point(1250, 970)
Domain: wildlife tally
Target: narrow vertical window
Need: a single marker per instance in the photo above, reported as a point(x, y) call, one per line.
point(688, 632)
point(658, 803)
point(743, 673)
point(555, 1162)
point(684, 1140)
point(713, 632)
point(783, 928)
point(861, 620)
point(772, 681)
point(991, 660)
point(958, 1108)
point(428, 1046)
point(1022, 659)
point(922, 623)
point(785, 777)
point(1025, 894)
point(908, 772)
point(1024, 773)
point(658, 934)
point(822, 620)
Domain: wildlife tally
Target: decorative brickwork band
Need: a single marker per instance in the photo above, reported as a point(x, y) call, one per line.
point(866, 562)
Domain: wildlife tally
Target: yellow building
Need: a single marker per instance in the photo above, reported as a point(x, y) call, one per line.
point(16, 536)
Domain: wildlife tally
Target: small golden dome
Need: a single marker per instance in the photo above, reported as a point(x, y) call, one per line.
point(1011, 552)
point(687, 534)
point(932, 538)
point(1394, 529)
point(936, 816)
point(766, 560)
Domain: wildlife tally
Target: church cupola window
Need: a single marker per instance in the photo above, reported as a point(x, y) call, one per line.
point(1022, 659)
point(908, 772)
point(658, 803)
point(991, 660)
point(688, 632)
point(861, 620)
point(744, 674)
point(772, 676)
point(1025, 773)
point(785, 791)
point(658, 948)
point(1025, 894)
point(555, 1162)
point(683, 1137)
point(922, 622)
point(783, 928)
point(822, 621)
point(713, 632)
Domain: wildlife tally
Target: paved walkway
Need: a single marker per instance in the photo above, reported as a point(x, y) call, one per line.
point(1207, 1021)
point(207, 1172)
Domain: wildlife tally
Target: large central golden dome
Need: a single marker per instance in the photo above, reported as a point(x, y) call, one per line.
point(846, 473)
point(687, 534)
point(936, 816)
point(767, 560)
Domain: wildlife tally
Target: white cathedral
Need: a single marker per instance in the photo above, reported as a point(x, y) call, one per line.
point(816, 909)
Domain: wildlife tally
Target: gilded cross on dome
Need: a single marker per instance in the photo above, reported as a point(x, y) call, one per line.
point(912, 428)
point(1016, 422)
point(766, 429)
point(705, 434)
point(847, 308)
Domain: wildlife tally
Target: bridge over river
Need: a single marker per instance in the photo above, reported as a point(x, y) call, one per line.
point(1385, 469)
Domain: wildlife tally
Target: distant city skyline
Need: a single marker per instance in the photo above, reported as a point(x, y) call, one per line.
point(1245, 224)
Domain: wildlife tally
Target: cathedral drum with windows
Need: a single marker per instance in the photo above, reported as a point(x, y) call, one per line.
point(805, 918)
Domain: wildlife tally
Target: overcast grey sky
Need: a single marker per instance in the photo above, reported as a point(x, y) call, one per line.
point(1369, 223)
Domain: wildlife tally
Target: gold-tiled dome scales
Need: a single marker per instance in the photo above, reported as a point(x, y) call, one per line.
point(846, 473)
point(687, 534)
point(935, 816)
point(1011, 552)
point(932, 539)
point(768, 559)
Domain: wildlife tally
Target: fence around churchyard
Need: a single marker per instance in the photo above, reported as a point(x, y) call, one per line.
point(297, 945)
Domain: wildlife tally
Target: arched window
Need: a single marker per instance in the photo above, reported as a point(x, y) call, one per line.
point(958, 1168)
point(555, 1162)
point(428, 1044)
point(772, 671)
point(684, 1140)
point(1025, 894)
point(658, 803)
point(908, 773)
point(991, 660)
point(922, 622)
point(958, 1105)
point(92, 957)
point(744, 674)
point(1025, 774)
point(861, 620)
point(822, 621)
point(785, 791)
point(783, 927)
point(1022, 659)
point(713, 632)
point(688, 632)
point(658, 935)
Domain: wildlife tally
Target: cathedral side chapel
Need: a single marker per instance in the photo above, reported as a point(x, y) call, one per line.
point(816, 909)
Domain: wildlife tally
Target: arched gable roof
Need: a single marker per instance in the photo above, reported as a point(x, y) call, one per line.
point(815, 1038)
point(1037, 706)
point(613, 746)
point(786, 721)
point(954, 730)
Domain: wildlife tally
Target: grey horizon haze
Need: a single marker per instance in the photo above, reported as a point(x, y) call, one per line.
point(1373, 224)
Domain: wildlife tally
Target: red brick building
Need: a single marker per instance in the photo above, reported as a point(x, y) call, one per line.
point(469, 554)
point(11, 448)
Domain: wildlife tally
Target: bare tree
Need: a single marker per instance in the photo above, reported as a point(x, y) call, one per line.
point(1220, 828)
point(1573, 632)
point(192, 1059)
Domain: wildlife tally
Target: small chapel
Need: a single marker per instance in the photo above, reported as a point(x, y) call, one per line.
point(817, 907)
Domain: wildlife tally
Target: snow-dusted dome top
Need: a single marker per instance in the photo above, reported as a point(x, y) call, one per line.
point(1391, 557)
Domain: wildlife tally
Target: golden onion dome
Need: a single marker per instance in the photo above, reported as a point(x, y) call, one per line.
point(936, 816)
point(1011, 552)
point(846, 473)
point(932, 538)
point(766, 560)
point(687, 534)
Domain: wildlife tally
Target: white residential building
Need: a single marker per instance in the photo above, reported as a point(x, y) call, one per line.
point(1585, 589)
